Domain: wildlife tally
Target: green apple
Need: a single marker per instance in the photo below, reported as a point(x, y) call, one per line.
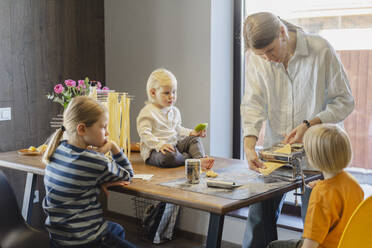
point(201, 126)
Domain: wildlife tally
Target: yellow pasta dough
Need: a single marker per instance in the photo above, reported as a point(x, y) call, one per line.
point(285, 149)
point(127, 121)
point(270, 167)
point(114, 116)
point(123, 133)
point(211, 173)
point(118, 106)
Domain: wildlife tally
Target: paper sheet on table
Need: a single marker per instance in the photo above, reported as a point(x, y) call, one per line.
point(143, 176)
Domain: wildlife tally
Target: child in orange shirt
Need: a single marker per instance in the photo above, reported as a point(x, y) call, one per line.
point(333, 199)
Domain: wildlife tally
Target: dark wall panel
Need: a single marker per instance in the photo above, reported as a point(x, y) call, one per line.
point(43, 42)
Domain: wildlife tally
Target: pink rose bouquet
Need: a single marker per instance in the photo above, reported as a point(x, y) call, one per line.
point(63, 93)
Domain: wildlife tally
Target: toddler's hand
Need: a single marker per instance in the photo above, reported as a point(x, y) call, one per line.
point(167, 148)
point(202, 133)
point(110, 184)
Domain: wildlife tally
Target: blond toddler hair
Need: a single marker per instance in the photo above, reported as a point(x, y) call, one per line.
point(159, 78)
point(327, 147)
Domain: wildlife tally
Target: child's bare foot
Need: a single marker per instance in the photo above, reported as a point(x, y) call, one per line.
point(207, 162)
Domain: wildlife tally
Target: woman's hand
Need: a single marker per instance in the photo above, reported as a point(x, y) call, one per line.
point(250, 153)
point(110, 184)
point(253, 161)
point(202, 133)
point(296, 135)
point(167, 148)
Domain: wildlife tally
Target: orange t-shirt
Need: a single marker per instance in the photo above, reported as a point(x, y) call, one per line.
point(332, 202)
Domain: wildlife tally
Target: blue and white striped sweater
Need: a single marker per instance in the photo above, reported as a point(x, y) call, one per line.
point(72, 183)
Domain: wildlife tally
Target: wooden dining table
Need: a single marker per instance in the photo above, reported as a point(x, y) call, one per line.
point(216, 205)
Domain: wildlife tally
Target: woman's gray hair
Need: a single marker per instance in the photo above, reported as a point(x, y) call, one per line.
point(260, 29)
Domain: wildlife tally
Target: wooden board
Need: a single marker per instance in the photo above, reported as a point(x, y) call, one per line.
point(153, 190)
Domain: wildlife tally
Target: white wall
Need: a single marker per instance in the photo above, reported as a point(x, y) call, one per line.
point(193, 39)
point(221, 77)
point(142, 35)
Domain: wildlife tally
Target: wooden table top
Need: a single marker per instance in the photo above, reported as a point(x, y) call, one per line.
point(151, 188)
point(26, 163)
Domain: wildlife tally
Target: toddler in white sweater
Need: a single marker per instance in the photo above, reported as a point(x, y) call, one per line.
point(164, 141)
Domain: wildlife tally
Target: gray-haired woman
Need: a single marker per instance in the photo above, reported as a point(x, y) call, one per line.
point(293, 80)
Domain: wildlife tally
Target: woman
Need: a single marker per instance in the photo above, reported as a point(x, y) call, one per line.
point(294, 80)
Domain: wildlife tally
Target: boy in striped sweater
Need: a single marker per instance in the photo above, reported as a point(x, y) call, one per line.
point(76, 171)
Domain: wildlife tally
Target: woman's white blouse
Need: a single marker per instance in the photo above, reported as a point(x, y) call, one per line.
point(314, 85)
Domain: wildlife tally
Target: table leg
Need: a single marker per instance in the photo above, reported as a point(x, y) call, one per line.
point(215, 230)
point(28, 196)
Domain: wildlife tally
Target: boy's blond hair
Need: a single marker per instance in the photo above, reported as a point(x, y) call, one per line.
point(158, 78)
point(327, 147)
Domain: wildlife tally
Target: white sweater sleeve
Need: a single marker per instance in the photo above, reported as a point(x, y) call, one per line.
point(144, 128)
point(181, 131)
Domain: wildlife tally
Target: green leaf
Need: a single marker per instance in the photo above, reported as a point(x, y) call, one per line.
point(87, 90)
point(201, 126)
point(86, 80)
point(58, 100)
point(50, 96)
point(67, 94)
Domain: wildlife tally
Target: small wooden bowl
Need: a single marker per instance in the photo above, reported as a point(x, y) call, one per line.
point(28, 152)
point(135, 147)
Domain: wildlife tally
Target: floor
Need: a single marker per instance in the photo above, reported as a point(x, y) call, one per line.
point(182, 239)
point(132, 233)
